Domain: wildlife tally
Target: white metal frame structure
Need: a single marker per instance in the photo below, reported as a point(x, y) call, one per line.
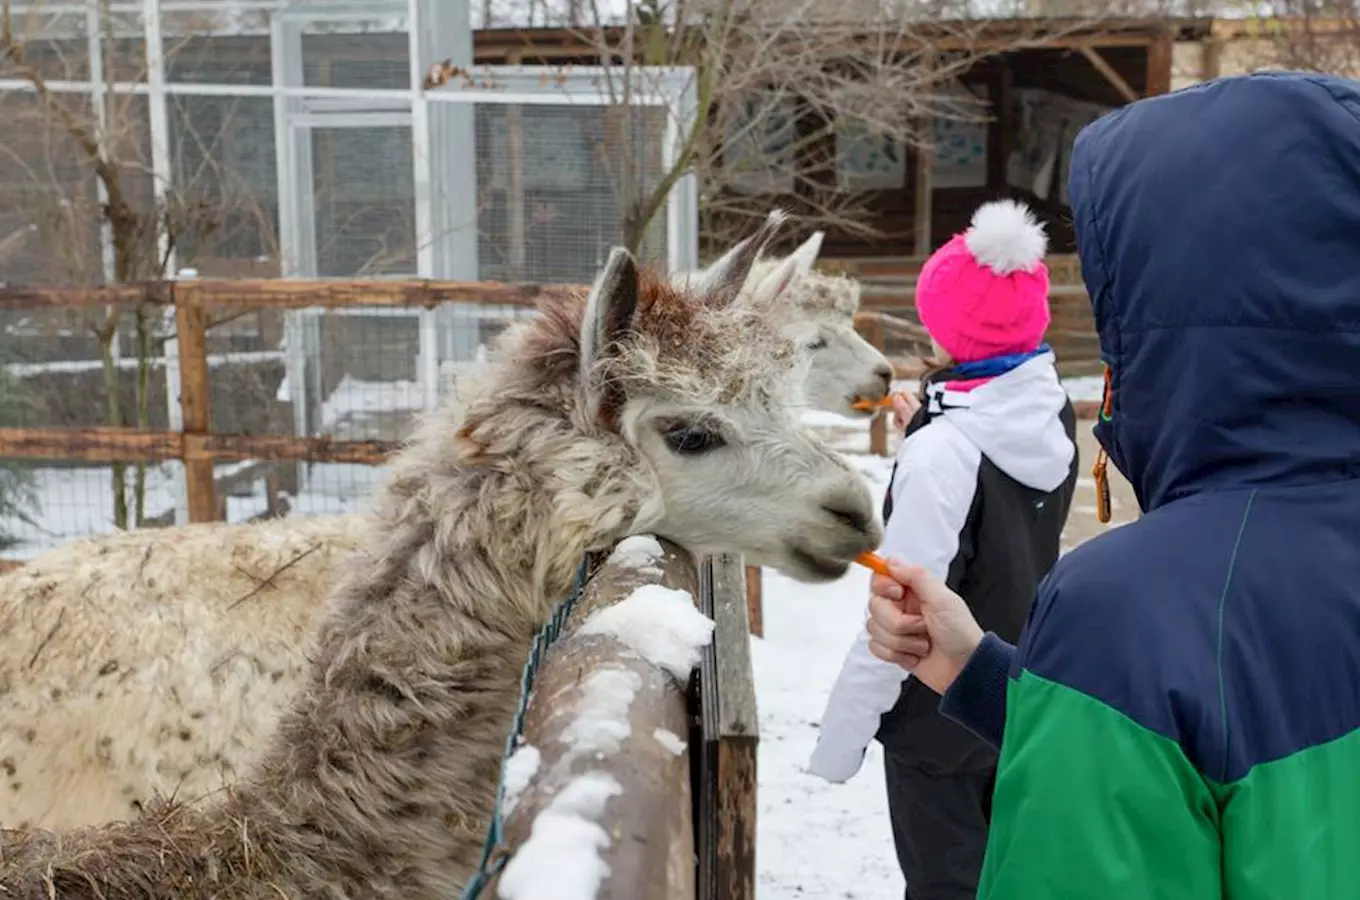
point(443, 140)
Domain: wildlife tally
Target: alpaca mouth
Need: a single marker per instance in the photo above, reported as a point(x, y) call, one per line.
point(864, 406)
point(822, 567)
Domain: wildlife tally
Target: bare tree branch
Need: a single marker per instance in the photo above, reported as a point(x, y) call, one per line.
point(825, 70)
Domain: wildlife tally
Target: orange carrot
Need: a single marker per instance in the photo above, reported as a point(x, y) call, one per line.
point(873, 562)
point(879, 566)
point(871, 405)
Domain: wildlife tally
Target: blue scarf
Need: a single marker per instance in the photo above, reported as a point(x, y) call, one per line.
point(993, 366)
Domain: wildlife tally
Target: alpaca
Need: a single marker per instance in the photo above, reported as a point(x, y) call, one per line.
point(194, 716)
point(635, 409)
point(155, 661)
point(819, 311)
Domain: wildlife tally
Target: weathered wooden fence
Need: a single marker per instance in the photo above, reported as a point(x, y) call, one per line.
point(194, 303)
point(681, 817)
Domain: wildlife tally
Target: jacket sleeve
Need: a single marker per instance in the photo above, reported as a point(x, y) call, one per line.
point(932, 493)
point(1088, 802)
point(977, 698)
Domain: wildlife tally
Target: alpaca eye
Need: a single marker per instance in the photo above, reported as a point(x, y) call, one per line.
point(818, 344)
point(692, 440)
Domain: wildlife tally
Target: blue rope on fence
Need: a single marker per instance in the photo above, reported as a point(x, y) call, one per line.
point(494, 857)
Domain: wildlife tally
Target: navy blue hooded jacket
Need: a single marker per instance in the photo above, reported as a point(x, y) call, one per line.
point(1182, 713)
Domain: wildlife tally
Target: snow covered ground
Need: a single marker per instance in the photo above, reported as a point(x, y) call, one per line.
point(816, 840)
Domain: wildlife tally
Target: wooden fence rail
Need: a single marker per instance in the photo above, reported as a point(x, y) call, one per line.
point(650, 821)
point(194, 302)
point(682, 823)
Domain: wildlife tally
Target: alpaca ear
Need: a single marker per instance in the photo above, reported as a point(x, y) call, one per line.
point(723, 280)
point(806, 254)
point(705, 281)
point(607, 324)
point(774, 284)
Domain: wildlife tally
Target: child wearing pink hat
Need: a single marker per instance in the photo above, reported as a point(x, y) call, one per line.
point(981, 489)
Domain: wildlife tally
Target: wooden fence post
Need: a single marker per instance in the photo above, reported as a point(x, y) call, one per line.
point(872, 330)
point(191, 327)
point(755, 601)
point(650, 854)
point(730, 732)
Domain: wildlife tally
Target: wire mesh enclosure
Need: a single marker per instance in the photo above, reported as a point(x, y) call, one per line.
point(244, 139)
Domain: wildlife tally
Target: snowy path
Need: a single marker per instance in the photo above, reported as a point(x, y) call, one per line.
point(815, 839)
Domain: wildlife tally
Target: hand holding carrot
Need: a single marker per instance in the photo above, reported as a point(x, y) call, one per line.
point(918, 623)
point(903, 405)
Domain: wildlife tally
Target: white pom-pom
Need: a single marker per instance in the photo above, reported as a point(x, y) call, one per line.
point(1005, 237)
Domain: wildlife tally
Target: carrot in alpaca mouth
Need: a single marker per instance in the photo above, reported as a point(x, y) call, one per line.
point(874, 563)
point(872, 405)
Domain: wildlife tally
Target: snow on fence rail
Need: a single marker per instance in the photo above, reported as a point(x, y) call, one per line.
point(617, 790)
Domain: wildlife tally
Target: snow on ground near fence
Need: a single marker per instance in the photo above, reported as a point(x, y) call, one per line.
point(816, 840)
point(76, 503)
point(353, 399)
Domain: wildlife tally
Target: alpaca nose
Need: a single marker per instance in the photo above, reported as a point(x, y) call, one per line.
point(859, 519)
point(885, 372)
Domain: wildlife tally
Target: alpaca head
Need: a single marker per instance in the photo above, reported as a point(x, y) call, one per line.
point(845, 368)
point(816, 312)
point(705, 392)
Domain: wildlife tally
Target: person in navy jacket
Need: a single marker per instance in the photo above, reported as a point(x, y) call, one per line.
point(1181, 717)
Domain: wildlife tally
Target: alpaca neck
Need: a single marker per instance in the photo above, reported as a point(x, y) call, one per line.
point(392, 754)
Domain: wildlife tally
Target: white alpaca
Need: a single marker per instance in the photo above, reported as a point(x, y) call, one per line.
point(819, 311)
point(156, 661)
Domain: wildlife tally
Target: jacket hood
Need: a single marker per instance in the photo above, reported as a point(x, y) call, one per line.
point(1219, 235)
point(1014, 420)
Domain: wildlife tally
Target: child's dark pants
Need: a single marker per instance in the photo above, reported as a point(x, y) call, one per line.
point(940, 828)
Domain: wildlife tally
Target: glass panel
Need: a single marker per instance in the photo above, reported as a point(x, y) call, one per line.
point(227, 46)
point(49, 211)
point(356, 57)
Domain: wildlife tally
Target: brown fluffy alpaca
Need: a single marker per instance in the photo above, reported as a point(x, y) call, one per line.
point(637, 409)
point(109, 704)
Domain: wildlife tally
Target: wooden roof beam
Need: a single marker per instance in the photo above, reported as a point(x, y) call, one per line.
point(1113, 77)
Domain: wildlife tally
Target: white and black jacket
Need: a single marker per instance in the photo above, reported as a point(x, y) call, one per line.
point(979, 496)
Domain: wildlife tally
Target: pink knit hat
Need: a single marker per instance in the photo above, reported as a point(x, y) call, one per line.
point(985, 293)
